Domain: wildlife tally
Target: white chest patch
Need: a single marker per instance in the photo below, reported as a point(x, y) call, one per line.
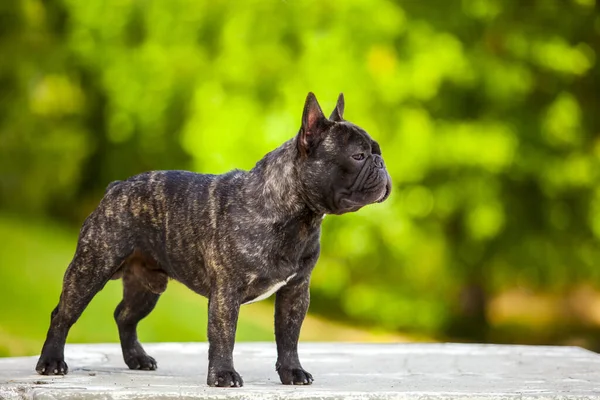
point(271, 290)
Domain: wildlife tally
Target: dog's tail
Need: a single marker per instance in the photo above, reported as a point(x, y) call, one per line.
point(112, 185)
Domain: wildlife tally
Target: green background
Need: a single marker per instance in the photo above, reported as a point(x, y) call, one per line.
point(487, 113)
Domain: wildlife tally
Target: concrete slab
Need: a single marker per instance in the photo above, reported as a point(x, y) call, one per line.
point(341, 371)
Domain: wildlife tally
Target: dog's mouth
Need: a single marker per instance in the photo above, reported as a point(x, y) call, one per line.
point(349, 205)
point(388, 190)
point(360, 195)
point(351, 202)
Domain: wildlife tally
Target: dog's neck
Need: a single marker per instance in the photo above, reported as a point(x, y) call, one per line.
point(273, 183)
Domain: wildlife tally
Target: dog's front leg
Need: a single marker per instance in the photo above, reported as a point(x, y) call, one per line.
point(291, 305)
point(223, 310)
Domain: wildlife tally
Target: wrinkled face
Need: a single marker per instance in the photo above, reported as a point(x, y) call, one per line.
point(342, 168)
point(358, 175)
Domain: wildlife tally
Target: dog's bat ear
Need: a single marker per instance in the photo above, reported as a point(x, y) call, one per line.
point(338, 112)
point(314, 124)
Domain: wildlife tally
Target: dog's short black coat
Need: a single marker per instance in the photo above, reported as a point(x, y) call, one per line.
point(233, 238)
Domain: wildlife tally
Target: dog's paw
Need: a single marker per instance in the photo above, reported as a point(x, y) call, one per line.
point(225, 378)
point(51, 366)
point(294, 376)
point(141, 361)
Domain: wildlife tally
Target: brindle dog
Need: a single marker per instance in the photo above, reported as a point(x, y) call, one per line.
point(234, 238)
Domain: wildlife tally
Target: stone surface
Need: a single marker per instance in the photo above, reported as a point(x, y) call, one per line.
point(349, 371)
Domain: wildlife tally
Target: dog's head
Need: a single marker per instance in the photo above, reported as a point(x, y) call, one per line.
point(340, 165)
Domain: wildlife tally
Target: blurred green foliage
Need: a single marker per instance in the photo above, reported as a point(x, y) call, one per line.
point(486, 112)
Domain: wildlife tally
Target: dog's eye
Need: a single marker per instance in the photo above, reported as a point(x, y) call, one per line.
point(359, 156)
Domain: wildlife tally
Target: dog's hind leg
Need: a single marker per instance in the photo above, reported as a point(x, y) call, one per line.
point(91, 268)
point(142, 286)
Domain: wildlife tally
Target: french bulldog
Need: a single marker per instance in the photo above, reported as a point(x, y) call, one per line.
point(234, 238)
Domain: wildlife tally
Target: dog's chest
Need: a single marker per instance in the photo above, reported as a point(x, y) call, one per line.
point(265, 292)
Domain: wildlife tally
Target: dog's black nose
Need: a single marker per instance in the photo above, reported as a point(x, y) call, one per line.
point(378, 161)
